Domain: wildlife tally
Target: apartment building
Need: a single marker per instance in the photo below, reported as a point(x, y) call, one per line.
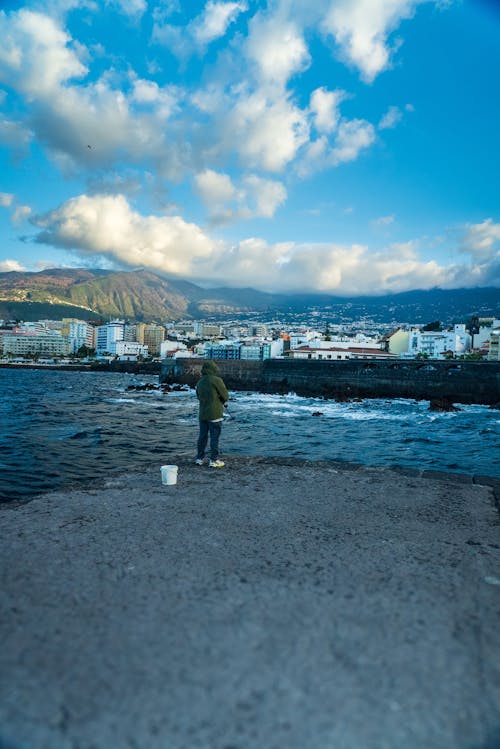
point(28, 344)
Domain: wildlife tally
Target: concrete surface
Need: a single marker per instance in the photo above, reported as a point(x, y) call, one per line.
point(268, 605)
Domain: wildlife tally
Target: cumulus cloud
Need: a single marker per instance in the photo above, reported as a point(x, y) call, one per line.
point(6, 199)
point(361, 29)
point(245, 108)
point(15, 135)
point(254, 196)
point(210, 25)
point(324, 106)
point(353, 137)
point(482, 241)
point(391, 118)
point(108, 227)
point(21, 213)
point(7, 266)
point(277, 49)
point(270, 130)
point(215, 20)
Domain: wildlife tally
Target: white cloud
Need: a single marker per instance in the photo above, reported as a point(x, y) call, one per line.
point(277, 49)
point(15, 135)
point(7, 266)
point(361, 29)
point(384, 220)
point(269, 131)
point(353, 137)
point(482, 241)
point(215, 190)
point(210, 25)
point(325, 108)
point(108, 227)
point(254, 196)
point(129, 7)
point(6, 199)
point(215, 20)
point(34, 56)
point(21, 213)
point(391, 118)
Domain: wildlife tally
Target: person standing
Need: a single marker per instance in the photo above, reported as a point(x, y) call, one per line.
point(212, 396)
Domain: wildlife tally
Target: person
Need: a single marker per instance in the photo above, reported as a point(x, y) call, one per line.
point(212, 395)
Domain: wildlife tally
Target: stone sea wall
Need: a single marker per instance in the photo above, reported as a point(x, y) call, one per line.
point(456, 381)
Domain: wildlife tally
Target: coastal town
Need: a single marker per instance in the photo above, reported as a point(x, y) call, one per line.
point(72, 340)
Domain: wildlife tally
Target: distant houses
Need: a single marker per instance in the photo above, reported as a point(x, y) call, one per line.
point(245, 340)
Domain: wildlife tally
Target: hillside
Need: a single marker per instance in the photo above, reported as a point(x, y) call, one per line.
point(144, 295)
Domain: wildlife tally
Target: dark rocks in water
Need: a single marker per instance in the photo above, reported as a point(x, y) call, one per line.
point(317, 413)
point(147, 386)
point(343, 398)
point(495, 406)
point(442, 404)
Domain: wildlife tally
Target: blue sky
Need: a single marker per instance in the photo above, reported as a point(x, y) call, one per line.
point(345, 146)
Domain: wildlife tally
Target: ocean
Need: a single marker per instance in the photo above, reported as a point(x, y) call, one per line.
point(60, 428)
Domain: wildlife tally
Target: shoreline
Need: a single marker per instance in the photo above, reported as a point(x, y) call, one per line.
point(184, 462)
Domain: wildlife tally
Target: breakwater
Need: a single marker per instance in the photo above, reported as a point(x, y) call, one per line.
point(456, 381)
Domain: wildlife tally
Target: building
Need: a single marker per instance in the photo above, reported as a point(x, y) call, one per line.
point(168, 348)
point(108, 335)
point(206, 330)
point(396, 342)
point(130, 350)
point(437, 344)
point(494, 345)
point(329, 354)
point(338, 353)
point(255, 351)
point(222, 350)
point(153, 337)
point(79, 332)
point(29, 344)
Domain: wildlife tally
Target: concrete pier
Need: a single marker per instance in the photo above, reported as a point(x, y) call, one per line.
point(271, 604)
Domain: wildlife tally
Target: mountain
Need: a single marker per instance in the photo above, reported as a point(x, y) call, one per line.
point(144, 295)
point(135, 295)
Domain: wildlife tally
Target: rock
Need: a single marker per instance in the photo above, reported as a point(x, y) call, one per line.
point(317, 413)
point(442, 404)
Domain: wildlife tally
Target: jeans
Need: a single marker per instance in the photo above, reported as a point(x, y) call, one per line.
point(213, 428)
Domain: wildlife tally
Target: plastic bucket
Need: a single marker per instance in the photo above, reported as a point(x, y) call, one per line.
point(169, 475)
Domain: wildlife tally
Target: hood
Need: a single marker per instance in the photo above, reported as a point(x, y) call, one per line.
point(210, 368)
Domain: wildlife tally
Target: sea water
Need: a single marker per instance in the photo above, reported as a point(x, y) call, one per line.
point(59, 428)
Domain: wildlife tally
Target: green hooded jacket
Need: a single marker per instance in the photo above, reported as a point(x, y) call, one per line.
point(211, 392)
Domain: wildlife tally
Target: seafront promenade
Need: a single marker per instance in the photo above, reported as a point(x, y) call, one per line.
point(272, 604)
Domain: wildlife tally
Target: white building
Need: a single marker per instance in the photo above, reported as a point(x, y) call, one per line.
point(108, 335)
point(329, 354)
point(79, 332)
point(435, 344)
point(302, 338)
point(129, 349)
point(481, 340)
point(339, 353)
point(168, 347)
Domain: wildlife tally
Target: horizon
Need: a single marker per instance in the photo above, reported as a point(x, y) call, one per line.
point(348, 149)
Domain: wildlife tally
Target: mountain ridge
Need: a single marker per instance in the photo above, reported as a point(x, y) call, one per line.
point(145, 295)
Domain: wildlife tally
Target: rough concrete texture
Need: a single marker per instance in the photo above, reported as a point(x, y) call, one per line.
point(266, 605)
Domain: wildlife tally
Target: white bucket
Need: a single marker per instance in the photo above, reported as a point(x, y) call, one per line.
point(169, 474)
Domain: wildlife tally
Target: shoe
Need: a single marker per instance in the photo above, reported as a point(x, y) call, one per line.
point(199, 461)
point(216, 464)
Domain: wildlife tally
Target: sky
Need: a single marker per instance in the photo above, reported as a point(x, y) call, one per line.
point(343, 146)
